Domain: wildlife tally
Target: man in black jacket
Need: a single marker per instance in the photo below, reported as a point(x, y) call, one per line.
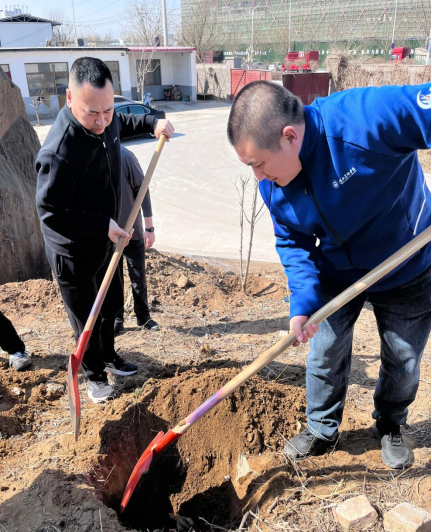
point(78, 198)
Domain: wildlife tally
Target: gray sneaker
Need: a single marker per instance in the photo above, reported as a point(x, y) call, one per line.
point(306, 444)
point(99, 390)
point(20, 361)
point(394, 451)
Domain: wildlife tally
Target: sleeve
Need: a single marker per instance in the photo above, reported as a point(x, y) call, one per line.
point(55, 188)
point(132, 125)
point(136, 178)
point(147, 206)
point(404, 118)
point(298, 255)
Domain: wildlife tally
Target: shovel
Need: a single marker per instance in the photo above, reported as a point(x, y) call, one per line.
point(162, 441)
point(76, 358)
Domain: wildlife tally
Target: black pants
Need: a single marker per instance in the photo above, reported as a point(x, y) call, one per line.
point(135, 260)
point(79, 279)
point(9, 339)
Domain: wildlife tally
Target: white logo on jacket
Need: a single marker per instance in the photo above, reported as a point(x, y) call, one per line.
point(344, 178)
point(424, 100)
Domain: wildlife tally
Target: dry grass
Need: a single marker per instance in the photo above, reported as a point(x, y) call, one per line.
point(348, 70)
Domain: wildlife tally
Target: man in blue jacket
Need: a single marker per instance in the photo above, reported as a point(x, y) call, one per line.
point(345, 190)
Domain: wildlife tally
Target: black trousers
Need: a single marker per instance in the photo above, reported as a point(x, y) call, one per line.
point(79, 279)
point(9, 339)
point(135, 260)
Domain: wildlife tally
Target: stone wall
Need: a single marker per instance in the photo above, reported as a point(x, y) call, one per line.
point(22, 252)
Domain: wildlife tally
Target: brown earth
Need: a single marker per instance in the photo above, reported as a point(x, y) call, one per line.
point(425, 160)
point(230, 462)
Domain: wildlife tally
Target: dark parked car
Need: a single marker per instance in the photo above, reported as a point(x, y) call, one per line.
point(136, 108)
point(121, 99)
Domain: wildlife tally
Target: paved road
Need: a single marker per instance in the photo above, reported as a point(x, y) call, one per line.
point(195, 202)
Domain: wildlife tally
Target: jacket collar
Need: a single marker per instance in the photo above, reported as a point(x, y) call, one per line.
point(312, 133)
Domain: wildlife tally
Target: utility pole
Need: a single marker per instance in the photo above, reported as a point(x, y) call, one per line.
point(73, 14)
point(394, 26)
point(164, 22)
point(289, 28)
point(252, 34)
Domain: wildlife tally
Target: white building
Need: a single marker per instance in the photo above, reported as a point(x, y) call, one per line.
point(169, 65)
point(43, 71)
point(24, 30)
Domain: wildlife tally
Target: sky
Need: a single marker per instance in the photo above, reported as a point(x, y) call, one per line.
point(102, 15)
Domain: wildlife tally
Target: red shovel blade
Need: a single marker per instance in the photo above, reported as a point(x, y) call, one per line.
point(73, 391)
point(143, 465)
point(73, 394)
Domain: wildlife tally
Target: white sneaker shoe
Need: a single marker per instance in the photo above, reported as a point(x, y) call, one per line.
point(99, 390)
point(20, 361)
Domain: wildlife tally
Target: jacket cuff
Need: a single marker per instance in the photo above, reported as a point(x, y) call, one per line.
point(304, 303)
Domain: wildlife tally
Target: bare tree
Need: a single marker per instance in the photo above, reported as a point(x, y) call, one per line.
point(144, 65)
point(143, 22)
point(64, 34)
point(251, 217)
point(43, 98)
point(201, 28)
point(91, 35)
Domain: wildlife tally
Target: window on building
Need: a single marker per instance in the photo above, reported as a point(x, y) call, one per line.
point(152, 70)
point(47, 78)
point(6, 70)
point(115, 73)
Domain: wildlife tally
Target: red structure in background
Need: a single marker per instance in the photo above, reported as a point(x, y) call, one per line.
point(241, 77)
point(296, 61)
point(308, 86)
point(401, 53)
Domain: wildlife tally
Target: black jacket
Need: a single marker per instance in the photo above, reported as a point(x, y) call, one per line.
point(79, 185)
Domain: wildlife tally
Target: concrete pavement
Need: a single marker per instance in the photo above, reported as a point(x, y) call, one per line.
point(195, 201)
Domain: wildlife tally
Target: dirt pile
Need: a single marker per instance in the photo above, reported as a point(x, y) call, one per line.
point(198, 476)
point(172, 279)
point(230, 462)
point(188, 283)
point(22, 254)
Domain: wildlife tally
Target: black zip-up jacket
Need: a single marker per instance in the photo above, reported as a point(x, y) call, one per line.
point(79, 185)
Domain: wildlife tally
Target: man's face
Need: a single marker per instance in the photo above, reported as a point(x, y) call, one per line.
point(92, 107)
point(282, 166)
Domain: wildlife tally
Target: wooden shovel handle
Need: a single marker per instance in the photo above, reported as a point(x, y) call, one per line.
point(122, 240)
point(335, 304)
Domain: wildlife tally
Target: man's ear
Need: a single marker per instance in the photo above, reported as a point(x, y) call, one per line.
point(69, 98)
point(289, 133)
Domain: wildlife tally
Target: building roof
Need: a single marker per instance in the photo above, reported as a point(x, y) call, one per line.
point(28, 18)
point(161, 49)
point(83, 49)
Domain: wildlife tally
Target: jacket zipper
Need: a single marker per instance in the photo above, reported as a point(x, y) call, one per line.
point(335, 234)
point(112, 186)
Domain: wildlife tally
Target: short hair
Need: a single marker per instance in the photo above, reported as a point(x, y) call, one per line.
point(90, 70)
point(260, 112)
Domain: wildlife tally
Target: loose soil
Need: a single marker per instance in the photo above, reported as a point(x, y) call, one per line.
point(229, 464)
